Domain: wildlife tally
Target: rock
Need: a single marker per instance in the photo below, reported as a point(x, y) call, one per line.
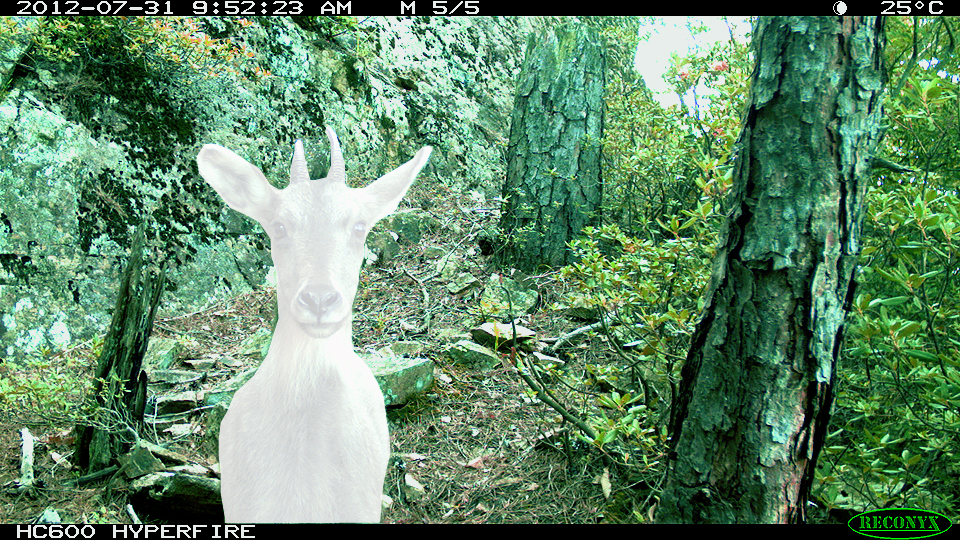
point(172, 377)
point(139, 462)
point(211, 429)
point(496, 302)
point(473, 355)
point(500, 336)
point(433, 252)
point(49, 517)
point(223, 392)
point(162, 353)
point(407, 225)
point(402, 348)
point(203, 364)
point(383, 244)
point(258, 344)
point(462, 283)
point(181, 496)
point(72, 187)
point(412, 489)
point(400, 377)
point(177, 403)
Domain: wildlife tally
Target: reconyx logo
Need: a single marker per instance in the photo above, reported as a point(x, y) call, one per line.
point(899, 523)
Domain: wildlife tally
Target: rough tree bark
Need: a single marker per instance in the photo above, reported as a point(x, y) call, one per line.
point(122, 401)
point(553, 182)
point(757, 384)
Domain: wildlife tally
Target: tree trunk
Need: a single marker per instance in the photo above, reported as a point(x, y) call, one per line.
point(121, 386)
point(553, 182)
point(757, 384)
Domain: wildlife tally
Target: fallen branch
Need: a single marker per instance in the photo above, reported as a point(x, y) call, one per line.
point(545, 397)
point(562, 340)
point(92, 476)
point(26, 460)
point(426, 302)
point(540, 390)
point(883, 163)
point(133, 515)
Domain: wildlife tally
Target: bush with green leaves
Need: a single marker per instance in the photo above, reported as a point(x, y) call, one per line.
point(329, 27)
point(662, 161)
point(897, 421)
point(666, 177)
point(896, 425)
point(47, 387)
point(649, 293)
point(159, 45)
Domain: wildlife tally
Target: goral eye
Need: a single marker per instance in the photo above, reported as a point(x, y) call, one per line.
point(277, 230)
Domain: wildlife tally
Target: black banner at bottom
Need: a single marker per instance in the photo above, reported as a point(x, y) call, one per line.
point(145, 532)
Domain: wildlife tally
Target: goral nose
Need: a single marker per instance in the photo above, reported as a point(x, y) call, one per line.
point(319, 302)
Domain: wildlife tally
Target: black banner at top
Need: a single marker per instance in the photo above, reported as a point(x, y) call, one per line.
point(243, 8)
point(456, 8)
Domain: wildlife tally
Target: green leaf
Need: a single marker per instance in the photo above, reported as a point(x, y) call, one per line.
point(609, 436)
point(908, 329)
point(888, 275)
point(922, 355)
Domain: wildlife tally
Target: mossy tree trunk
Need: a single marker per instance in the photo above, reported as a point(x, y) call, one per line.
point(553, 185)
point(121, 387)
point(758, 381)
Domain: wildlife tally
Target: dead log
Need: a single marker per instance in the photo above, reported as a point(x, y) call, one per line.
point(121, 387)
point(26, 461)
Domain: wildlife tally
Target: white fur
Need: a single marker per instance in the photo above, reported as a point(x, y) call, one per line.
point(305, 440)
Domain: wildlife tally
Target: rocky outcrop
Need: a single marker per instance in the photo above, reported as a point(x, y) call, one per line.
point(94, 147)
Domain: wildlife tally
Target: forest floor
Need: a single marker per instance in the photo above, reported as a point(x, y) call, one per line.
point(483, 451)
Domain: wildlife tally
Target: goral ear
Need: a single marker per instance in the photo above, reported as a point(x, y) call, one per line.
point(383, 196)
point(241, 185)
